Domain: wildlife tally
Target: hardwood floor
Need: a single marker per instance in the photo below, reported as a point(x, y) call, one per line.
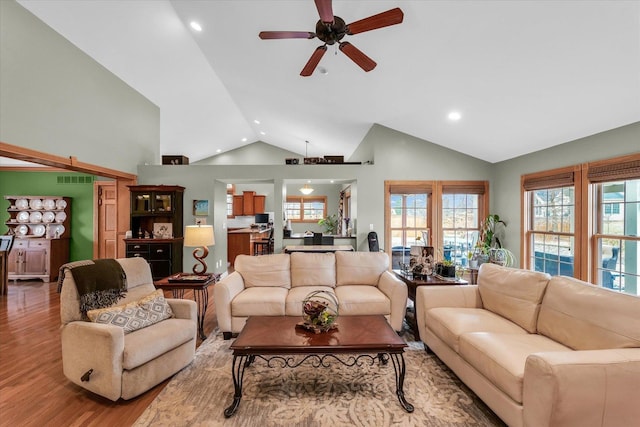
point(33, 389)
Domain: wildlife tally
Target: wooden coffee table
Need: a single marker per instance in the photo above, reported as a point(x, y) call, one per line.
point(276, 338)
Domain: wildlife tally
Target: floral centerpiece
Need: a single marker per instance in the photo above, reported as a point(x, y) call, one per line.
point(319, 311)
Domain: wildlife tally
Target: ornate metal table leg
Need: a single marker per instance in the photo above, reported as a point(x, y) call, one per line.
point(201, 297)
point(400, 369)
point(383, 358)
point(237, 371)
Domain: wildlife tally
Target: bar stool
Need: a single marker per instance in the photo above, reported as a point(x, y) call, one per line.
point(264, 246)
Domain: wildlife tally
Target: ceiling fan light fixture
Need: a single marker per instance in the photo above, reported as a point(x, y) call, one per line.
point(306, 190)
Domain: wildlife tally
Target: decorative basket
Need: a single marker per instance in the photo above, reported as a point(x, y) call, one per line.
point(319, 311)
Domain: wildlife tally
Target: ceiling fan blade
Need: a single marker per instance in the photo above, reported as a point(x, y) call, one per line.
point(325, 10)
point(384, 19)
point(357, 56)
point(313, 61)
point(270, 35)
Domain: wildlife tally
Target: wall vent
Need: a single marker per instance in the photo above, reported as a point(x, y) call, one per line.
point(75, 179)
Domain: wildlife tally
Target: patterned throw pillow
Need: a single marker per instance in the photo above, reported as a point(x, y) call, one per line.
point(135, 315)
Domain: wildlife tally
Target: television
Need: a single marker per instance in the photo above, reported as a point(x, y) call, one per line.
point(262, 218)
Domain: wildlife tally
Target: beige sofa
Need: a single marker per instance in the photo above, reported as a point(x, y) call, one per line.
point(539, 351)
point(276, 285)
point(125, 365)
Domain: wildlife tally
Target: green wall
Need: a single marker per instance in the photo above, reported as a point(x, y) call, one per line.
point(46, 184)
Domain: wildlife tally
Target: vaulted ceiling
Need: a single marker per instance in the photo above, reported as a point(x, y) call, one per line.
point(523, 75)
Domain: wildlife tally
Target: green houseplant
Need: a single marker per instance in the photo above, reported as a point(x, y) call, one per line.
point(330, 223)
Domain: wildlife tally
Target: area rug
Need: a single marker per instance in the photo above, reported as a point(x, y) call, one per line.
point(307, 396)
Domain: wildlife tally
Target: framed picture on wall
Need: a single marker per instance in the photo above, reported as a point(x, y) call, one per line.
point(200, 207)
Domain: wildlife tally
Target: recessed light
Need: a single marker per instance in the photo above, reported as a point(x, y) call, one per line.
point(323, 70)
point(218, 151)
point(454, 116)
point(195, 26)
point(262, 132)
point(244, 140)
point(256, 122)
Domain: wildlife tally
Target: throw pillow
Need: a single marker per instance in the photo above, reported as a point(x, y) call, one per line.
point(135, 315)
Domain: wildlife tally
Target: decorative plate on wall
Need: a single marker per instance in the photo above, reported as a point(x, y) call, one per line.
point(22, 230)
point(35, 217)
point(61, 204)
point(22, 204)
point(48, 217)
point(23, 216)
point(49, 204)
point(39, 230)
point(35, 204)
point(61, 216)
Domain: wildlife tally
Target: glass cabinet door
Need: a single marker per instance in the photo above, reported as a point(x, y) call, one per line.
point(163, 202)
point(141, 203)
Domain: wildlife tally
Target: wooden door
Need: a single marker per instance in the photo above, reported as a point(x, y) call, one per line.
point(105, 220)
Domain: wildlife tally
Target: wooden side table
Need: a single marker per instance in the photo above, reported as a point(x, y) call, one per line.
point(413, 282)
point(178, 283)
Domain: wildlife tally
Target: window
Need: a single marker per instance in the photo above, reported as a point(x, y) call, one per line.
point(615, 190)
point(584, 221)
point(462, 213)
point(230, 191)
point(451, 220)
point(550, 221)
point(305, 208)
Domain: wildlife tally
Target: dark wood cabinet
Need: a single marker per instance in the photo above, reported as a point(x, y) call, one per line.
point(157, 227)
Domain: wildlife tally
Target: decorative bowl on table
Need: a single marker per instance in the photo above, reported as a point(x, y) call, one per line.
point(319, 311)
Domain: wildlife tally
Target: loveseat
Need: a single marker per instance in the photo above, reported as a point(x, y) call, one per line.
point(110, 356)
point(276, 285)
point(539, 350)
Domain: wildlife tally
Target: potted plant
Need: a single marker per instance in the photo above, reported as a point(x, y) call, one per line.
point(330, 223)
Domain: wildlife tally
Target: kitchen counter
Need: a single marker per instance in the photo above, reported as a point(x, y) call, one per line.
point(240, 241)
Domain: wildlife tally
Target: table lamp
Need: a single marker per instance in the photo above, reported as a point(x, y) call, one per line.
point(199, 236)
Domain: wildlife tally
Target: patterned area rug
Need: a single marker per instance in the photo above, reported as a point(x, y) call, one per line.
point(307, 396)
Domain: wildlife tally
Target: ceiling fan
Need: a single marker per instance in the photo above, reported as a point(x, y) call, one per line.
point(331, 29)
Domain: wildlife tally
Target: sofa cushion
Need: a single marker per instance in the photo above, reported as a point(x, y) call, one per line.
point(360, 268)
point(135, 315)
point(259, 301)
point(298, 293)
point(359, 299)
point(146, 344)
point(265, 270)
point(586, 317)
point(512, 293)
point(501, 357)
point(313, 269)
point(449, 323)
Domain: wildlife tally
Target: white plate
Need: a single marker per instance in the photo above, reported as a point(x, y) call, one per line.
point(35, 204)
point(35, 217)
point(23, 216)
point(61, 216)
point(49, 204)
point(38, 230)
point(22, 230)
point(48, 217)
point(56, 231)
point(22, 204)
point(61, 204)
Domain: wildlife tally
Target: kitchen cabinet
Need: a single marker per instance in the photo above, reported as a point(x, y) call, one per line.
point(41, 226)
point(157, 227)
point(248, 203)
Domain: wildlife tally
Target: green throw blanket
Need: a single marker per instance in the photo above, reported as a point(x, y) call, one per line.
point(100, 282)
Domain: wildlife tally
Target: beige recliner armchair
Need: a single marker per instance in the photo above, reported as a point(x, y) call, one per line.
point(102, 358)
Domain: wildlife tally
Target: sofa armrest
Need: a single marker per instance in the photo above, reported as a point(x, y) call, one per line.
point(184, 308)
point(223, 293)
point(97, 346)
point(396, 290)
point(592, 387)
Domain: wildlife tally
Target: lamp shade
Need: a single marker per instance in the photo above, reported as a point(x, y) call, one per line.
point(199, 235)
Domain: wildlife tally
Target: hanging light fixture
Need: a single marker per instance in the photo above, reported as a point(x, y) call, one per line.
point(306, 190)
